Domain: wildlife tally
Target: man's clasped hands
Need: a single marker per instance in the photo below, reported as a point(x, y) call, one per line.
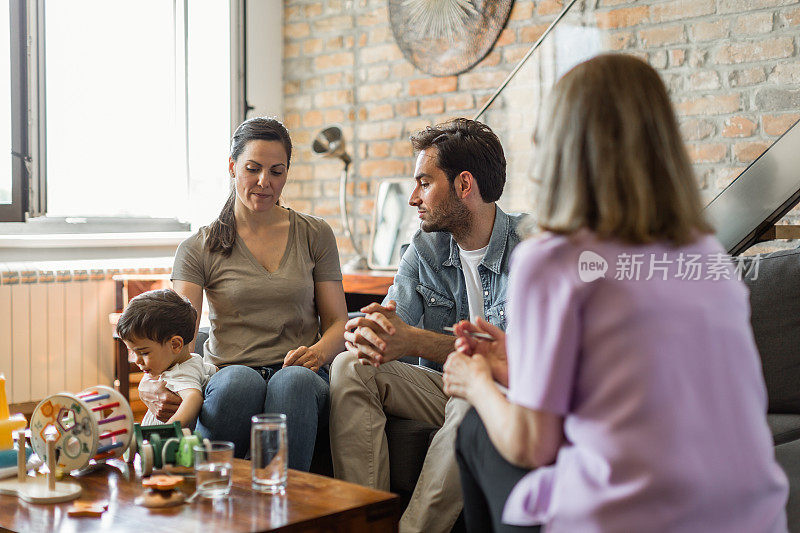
point(381, 336)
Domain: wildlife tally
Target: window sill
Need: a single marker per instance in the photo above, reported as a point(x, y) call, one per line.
point(94, 240)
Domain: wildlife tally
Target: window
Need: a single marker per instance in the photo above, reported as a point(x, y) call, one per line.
point(13, 187)
point(118, 84)
point(115, 105)
point(5, 111)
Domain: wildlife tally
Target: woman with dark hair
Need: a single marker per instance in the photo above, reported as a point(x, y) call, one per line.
point(276, 303)
point(635, 398)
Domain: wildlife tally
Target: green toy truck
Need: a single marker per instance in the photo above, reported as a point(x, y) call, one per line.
point(163, 447)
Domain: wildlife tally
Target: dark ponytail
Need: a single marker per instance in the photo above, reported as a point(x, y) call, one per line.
point(222, 232)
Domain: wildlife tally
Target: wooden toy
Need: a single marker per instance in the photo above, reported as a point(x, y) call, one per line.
point(8, 425)
point(39, 489)
point(94, 425)
point(165, 447)
point(162, 482)
point(81, 509)
point(162, 491)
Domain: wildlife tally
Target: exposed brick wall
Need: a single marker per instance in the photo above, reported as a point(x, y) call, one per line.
point(732, 67)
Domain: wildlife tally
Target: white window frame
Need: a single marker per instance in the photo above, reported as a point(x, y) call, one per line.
point(264, 43)
point(34, 176)
point(20, 161)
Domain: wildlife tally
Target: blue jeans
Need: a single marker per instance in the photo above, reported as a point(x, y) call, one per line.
point(235, 393)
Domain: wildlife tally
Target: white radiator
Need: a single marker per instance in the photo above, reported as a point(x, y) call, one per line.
point(55, 336)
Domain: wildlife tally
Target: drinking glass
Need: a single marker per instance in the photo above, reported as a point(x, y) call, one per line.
point(213, 465)
point(268, 451)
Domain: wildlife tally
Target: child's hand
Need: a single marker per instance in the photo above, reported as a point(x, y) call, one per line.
point(160, 401)
point(190, 407)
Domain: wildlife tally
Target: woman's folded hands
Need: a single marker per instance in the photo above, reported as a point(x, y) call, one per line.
point(307, 356)
point(475, 362)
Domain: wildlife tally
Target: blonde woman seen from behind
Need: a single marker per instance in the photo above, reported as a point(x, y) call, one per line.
point(635, 397)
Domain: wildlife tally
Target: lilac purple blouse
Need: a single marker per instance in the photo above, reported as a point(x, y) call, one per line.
point(659, 384)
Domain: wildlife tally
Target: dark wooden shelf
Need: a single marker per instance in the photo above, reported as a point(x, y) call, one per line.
point(372, 282)
point(361, 288)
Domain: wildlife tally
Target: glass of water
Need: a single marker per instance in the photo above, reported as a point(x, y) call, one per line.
point(213, 465)
point(269, 452)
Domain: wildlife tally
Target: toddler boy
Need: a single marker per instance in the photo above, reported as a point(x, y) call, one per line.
point(157, 326)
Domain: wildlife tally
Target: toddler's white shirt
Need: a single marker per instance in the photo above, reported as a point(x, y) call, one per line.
point(193, 373)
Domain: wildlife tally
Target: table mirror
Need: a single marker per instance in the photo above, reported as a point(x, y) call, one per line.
point(394, 223)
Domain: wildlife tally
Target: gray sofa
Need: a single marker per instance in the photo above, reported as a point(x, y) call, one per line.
point(775, 317)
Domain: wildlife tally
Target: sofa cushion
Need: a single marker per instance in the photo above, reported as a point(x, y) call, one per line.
point(408, 444)
point(775, 317)
point(202, 336)
point(788, 456)
point(784, 428)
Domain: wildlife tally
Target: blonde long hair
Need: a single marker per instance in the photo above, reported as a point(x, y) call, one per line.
point(611, 158)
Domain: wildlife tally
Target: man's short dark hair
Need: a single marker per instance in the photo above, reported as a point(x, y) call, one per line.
point(465, 144)
point(158, 316)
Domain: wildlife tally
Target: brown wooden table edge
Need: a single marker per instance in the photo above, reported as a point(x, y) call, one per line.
point(369, 506)
point(387, 509)
point(386, 505)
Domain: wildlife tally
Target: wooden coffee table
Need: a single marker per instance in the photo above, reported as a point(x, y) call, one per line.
point(311, 503)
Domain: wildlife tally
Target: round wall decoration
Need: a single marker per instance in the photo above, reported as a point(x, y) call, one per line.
point(446, 37)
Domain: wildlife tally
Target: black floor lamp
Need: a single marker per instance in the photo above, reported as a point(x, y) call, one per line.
point(329, 142)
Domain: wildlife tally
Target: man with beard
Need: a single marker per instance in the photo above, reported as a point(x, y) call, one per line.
point(456, 268)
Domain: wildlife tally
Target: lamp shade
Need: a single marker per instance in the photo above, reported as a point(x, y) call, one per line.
point(329, 142)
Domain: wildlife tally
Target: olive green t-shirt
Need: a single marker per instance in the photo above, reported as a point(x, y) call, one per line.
point(256, 315)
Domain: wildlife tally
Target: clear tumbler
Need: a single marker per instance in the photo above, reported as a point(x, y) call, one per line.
point(269, 452)
point(213, 465)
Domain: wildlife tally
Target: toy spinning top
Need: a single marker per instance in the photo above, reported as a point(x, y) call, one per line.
point(161, 491)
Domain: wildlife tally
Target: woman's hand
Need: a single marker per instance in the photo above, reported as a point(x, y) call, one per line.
point(308, 356)
point(160, 401)
point(466, 376)
point(494, 351)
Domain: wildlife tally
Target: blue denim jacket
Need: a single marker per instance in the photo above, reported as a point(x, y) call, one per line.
point(429, 286)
